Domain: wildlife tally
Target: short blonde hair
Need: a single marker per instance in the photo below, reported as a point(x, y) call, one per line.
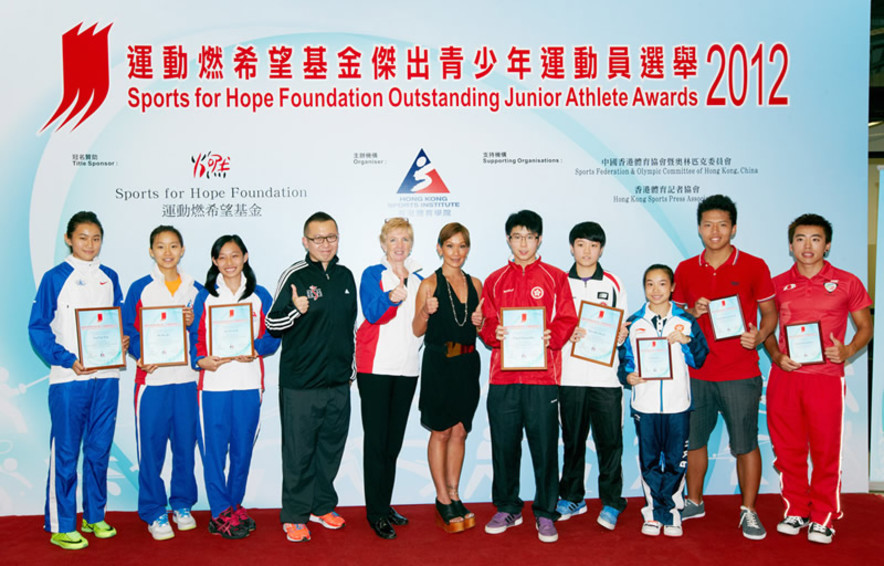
point(396, 223)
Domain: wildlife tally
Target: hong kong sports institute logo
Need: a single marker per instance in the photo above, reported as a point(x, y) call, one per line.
point(86, 73)
point(422, 177)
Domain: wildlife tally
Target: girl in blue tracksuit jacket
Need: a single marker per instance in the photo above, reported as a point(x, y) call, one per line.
point(661, 408)
point(165, 397)
point(82, 402)
point(230, 390)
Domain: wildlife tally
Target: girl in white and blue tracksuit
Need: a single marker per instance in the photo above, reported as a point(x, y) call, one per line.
point(165, 397)
point(661, 408)
point(230, 391)
point(82, 403)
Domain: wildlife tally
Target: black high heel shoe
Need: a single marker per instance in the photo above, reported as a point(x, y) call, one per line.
point(469, 518)
point(445, 515)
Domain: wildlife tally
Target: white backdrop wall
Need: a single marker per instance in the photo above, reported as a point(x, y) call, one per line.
point(632, 148)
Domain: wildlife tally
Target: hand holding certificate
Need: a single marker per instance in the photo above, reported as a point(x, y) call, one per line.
point(100, 338)
point(653, 358)
point(805, 343)
point(230, 331)
point(163, 336)
point(726, 316)
point(602, 324)
point(523, 347)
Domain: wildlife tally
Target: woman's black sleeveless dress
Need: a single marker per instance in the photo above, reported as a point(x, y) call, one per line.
point(449, 391)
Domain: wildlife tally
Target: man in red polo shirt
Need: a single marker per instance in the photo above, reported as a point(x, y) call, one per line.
point(805, 401)
point(729, 382)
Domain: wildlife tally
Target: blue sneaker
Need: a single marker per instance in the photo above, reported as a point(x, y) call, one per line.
point(566, 509)
point(608, 517)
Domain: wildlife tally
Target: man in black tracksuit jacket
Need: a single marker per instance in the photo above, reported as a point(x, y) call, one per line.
point(314, 312)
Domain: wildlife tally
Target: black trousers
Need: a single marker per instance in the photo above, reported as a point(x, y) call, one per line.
point(314, 431)
point(599, 409)
point(385, 401)
point(534, 409)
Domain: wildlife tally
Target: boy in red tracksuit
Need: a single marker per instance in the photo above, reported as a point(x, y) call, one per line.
point(525, 399)
point(805, 402)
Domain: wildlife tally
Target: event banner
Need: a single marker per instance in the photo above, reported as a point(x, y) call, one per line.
point(226, 118)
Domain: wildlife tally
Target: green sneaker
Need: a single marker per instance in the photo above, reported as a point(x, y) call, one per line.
point(69, 541)
point(100, 529)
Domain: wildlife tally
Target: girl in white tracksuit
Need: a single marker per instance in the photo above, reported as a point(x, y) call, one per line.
point(165, 397)
point(661, 408)
point(230, 390)
point(82, 402)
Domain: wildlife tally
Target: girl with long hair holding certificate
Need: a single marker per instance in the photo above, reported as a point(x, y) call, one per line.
point(82, 401)
point(165, 390)
point(229, 351)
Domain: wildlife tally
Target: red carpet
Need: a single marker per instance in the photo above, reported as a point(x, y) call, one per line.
point(714, 539)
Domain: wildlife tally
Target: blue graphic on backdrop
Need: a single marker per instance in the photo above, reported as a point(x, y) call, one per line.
point(422, 177)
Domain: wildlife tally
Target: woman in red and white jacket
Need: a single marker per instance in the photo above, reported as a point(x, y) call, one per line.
point(230, 390)
point(387, 366)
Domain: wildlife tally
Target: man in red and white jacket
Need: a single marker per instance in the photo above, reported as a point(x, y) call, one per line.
point(805, 402)
point(526, 399)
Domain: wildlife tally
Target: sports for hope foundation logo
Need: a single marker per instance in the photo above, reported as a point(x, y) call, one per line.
point(86, 74)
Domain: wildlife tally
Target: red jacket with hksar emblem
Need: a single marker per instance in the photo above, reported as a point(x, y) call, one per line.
point(535, 285)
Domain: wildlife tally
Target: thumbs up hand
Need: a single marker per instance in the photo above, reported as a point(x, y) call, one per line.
point(399, 293)
point(837, 353)
point(431, 304)
point(478, 318)
point(301, 302)
point(749, 339)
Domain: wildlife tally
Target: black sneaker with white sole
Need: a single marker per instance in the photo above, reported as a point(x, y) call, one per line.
point(820, 533)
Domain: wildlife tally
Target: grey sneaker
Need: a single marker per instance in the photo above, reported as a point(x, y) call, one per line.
point(792, 525)
point(693, 510)
point(820, 533)
point(502, 521)
point(546, 530)
point(751, 524)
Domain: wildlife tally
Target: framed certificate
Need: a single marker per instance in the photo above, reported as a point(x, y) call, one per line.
point(804, 341)
point(100, 338)
point(653, 358)
point(230, 331)
point(602, 325)
point(163, 336)
point(523, 347)
point(726, 317)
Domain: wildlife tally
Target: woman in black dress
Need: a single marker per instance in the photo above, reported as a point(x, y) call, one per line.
point(447, 313)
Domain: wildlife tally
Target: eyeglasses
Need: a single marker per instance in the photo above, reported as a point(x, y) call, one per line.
point(530, 238)
point(331, 239)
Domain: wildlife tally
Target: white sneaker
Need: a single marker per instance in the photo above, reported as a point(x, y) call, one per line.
point(652, 528)
point(161, 529)
point(672, 530)
point(184, 519)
